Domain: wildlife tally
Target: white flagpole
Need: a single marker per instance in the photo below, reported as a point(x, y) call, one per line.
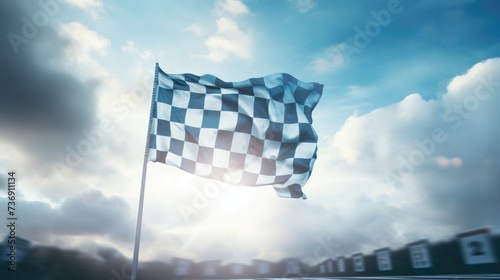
point(135, 261)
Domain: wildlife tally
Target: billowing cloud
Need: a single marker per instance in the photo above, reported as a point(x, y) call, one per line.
point(84, 42)
point(440, 152)
point(229, 40)
point(93, 7)
point(231, 7)
point(302, 6)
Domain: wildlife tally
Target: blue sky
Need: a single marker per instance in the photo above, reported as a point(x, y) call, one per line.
point(407, 122)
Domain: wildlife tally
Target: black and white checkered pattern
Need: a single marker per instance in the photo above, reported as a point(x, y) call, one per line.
point(256, 132)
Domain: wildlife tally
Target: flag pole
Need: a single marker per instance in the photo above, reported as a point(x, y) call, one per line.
point(135, 261)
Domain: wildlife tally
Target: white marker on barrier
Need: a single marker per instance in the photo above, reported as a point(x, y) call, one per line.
point(384, 262)
point(476, 247)
point(420, 255)
point(358, 262)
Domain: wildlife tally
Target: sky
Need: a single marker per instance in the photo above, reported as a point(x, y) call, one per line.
point(407, 124)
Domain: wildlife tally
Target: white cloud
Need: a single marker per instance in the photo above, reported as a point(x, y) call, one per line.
point(463, 86)
point(356, 143)
point(93, 7)
point(84, 42)
point(85, 50)
point(302, 6)
point(379, 134)
point(230, 7)
point(129, 47)
point(229, 40)
point(333, 57)
point(441, 154)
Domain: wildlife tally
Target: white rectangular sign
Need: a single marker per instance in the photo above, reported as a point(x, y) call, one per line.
point(476, 247)
point(341, 264)
point(384, 262)
point(420, 255)
point(358, 263)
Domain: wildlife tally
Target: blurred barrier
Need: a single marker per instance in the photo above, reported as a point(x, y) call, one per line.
point(473, 252)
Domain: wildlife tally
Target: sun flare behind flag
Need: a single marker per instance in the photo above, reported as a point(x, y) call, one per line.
point(255, 132)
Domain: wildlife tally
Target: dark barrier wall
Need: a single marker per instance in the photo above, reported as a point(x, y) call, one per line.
point(473, 252)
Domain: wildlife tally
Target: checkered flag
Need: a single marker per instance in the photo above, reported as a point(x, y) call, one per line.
point(255, 132)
